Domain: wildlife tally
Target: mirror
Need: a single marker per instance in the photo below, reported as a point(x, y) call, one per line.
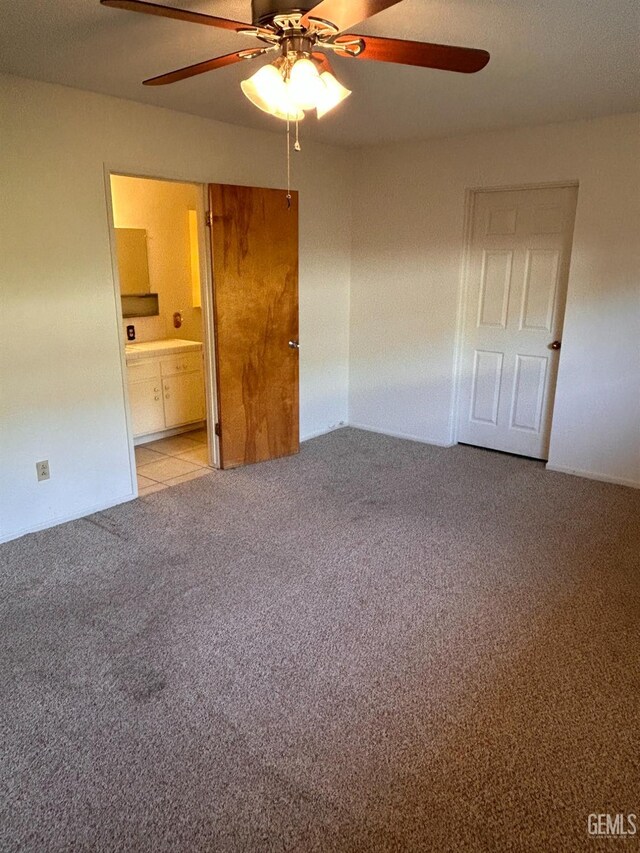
point(133, 262)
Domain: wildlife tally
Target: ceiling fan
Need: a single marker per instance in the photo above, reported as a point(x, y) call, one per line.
point(302, 33)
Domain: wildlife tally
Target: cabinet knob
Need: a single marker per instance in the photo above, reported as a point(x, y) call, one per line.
point(156, 398)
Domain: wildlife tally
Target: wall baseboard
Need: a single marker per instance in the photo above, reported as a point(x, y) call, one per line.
point(592, 475)
point(309, 435)
point(403, 435)
point(55, 522)
point(168, 433)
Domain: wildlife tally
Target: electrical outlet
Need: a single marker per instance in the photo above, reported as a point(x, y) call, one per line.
point(42, 469)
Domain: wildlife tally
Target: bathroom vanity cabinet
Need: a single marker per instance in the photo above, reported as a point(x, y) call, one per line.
point(166, 385)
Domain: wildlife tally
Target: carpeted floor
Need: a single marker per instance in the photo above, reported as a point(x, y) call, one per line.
point(374, 646)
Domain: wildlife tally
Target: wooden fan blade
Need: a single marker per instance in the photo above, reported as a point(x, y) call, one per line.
point(346, 13)
point(466, 60)
point(179, 14)
point(202, 67)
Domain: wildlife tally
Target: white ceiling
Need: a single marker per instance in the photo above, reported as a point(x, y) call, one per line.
point(551, 60)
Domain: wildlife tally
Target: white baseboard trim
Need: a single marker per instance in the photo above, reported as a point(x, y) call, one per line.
point(309, 435)
point(167, 433)
point(54, 522)
point(405, 435)
point(592, 475)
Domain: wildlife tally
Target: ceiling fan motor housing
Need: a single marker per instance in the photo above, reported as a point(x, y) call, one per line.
point(264, 11)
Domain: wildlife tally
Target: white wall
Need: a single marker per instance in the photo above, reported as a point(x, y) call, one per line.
point(60, 366)
point(406, 274)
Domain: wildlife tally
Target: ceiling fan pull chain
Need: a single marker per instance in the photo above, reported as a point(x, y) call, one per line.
point(297, 145)
point(288, 164)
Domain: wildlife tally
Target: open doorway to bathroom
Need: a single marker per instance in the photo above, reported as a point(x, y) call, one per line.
point(160, 252)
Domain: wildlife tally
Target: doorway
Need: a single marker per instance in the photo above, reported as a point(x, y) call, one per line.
point(518, 256)
point(210, 327)
point(160, 255)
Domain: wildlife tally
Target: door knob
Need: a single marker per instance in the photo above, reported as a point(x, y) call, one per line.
point(294, 344)
point(555, 344)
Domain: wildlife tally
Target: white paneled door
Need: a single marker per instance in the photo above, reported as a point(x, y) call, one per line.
point(518, 269)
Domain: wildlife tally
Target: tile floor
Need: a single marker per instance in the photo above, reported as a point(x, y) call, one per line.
point(170, 461)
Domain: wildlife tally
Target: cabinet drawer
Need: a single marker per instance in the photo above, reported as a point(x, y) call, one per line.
point(145, 369)
point(184, 363)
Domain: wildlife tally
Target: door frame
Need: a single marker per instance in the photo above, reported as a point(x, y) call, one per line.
point(470, 196)
point(206, 295)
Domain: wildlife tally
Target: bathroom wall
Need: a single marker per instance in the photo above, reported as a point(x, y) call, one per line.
point(147, 328)
point(161, 209)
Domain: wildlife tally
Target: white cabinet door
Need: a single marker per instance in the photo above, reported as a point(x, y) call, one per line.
point(166, 393)
point(183, 399)
point(147, 412)
point(518, 270)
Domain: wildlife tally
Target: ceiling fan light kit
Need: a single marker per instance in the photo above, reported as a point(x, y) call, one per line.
point(292, 85)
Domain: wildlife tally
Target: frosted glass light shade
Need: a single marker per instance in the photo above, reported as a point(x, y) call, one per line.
point(305, 85)
point(305, 89)
point(333, 94)
point(268, 91)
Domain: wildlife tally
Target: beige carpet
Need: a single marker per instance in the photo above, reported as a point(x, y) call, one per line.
point(374, 646)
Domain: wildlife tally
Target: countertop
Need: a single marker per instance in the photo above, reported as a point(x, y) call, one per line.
point(169, 346)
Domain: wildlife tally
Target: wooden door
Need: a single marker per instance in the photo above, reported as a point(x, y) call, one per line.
point(518, 270)
point(254, 241)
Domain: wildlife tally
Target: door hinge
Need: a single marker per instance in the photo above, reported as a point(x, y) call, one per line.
point(209, 218)
point(217, 430)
